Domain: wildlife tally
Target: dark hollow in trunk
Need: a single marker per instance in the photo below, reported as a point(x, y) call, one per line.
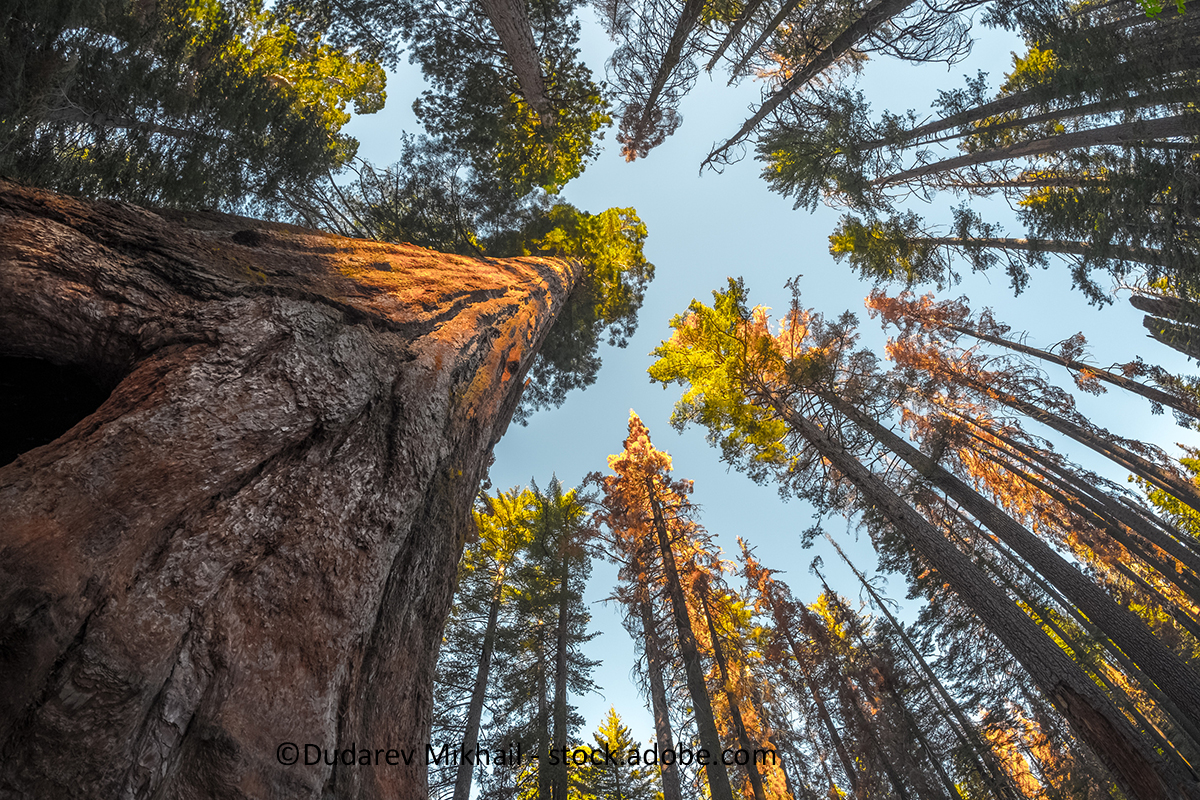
point(40, 401)
point(252, 541)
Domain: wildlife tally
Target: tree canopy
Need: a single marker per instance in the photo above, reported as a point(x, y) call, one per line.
point(183, 103)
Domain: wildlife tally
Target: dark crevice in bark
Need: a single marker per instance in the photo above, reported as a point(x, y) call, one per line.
point(40, 401)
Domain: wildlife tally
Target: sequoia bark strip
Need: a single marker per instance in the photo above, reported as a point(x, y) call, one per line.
point(253, 540)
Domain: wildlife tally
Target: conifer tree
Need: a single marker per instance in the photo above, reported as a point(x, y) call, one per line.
point(833, 33)
point(509, 90)
point(653, 67)
point(464, 664)
point(182, 104)
point(950, 319)
point(768, 400)
point(1096, 158)
point(641, 491)
point(630, 544)
point(539, 660)
point(617, 779)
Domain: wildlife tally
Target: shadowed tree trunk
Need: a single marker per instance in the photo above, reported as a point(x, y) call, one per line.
point(466, 767)
point(252, 541)
point(1138, 770)
point(510, 19)
point(655, 662)
point(706, 728)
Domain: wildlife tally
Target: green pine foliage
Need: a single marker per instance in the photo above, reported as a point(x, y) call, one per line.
point(605, 779)
point(476, 104)
point(185, 103)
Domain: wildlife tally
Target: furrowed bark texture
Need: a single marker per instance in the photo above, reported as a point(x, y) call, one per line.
point(253, 540)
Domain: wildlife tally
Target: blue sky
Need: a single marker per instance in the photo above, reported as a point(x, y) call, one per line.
point(704, 228)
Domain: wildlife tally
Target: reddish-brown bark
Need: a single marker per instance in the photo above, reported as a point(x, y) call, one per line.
point(253, 540)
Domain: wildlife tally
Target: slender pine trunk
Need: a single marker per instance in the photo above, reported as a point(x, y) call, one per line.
point(734, 30)
point(716, 775)
point(875, 15)
point(635, 132)
point(988, 769)
point(910, 722)
point(1168, 480)
point(835, 737)
point(559, 779)
point(1080, 501)
point(870, 744)
point(655, 664)
point(777, 20)
point(1140, 772)
point(735, 711)
point(1184, 722)
point(1140, 521)
point(1120, 625)
point(1149, 392)
point(544, 773)
point(1142, 255)
point(462, 779)
point(1125, 133)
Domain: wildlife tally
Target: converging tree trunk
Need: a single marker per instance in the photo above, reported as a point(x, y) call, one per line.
point(245, 555)
point(655, 663)
point(715, 773)
point(510, 18)
point(1138, 770)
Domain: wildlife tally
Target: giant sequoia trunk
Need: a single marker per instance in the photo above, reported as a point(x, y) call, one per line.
point(252, 541)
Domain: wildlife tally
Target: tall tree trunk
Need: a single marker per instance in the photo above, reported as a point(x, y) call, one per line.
point(734, 29)
point(1140, 771)
point(1125, 133)
point(1124, 628)
point(993, 775)
point(1084, 496)
point(462, 779)
point(510, 19)
point(1149, 392)
point(1184, 722)
point(718, 778)
point(655, 663)
point(735, 711)
point(252, 542)
point(1142, 255)
point(1175, 321)
point(777, 20)
point(948, 786)
point(635, 132)
point(544, 773)
point(1169, 480)
point(558, 786)
point(835, 737)
point(875, 15)
point(1081, 501)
